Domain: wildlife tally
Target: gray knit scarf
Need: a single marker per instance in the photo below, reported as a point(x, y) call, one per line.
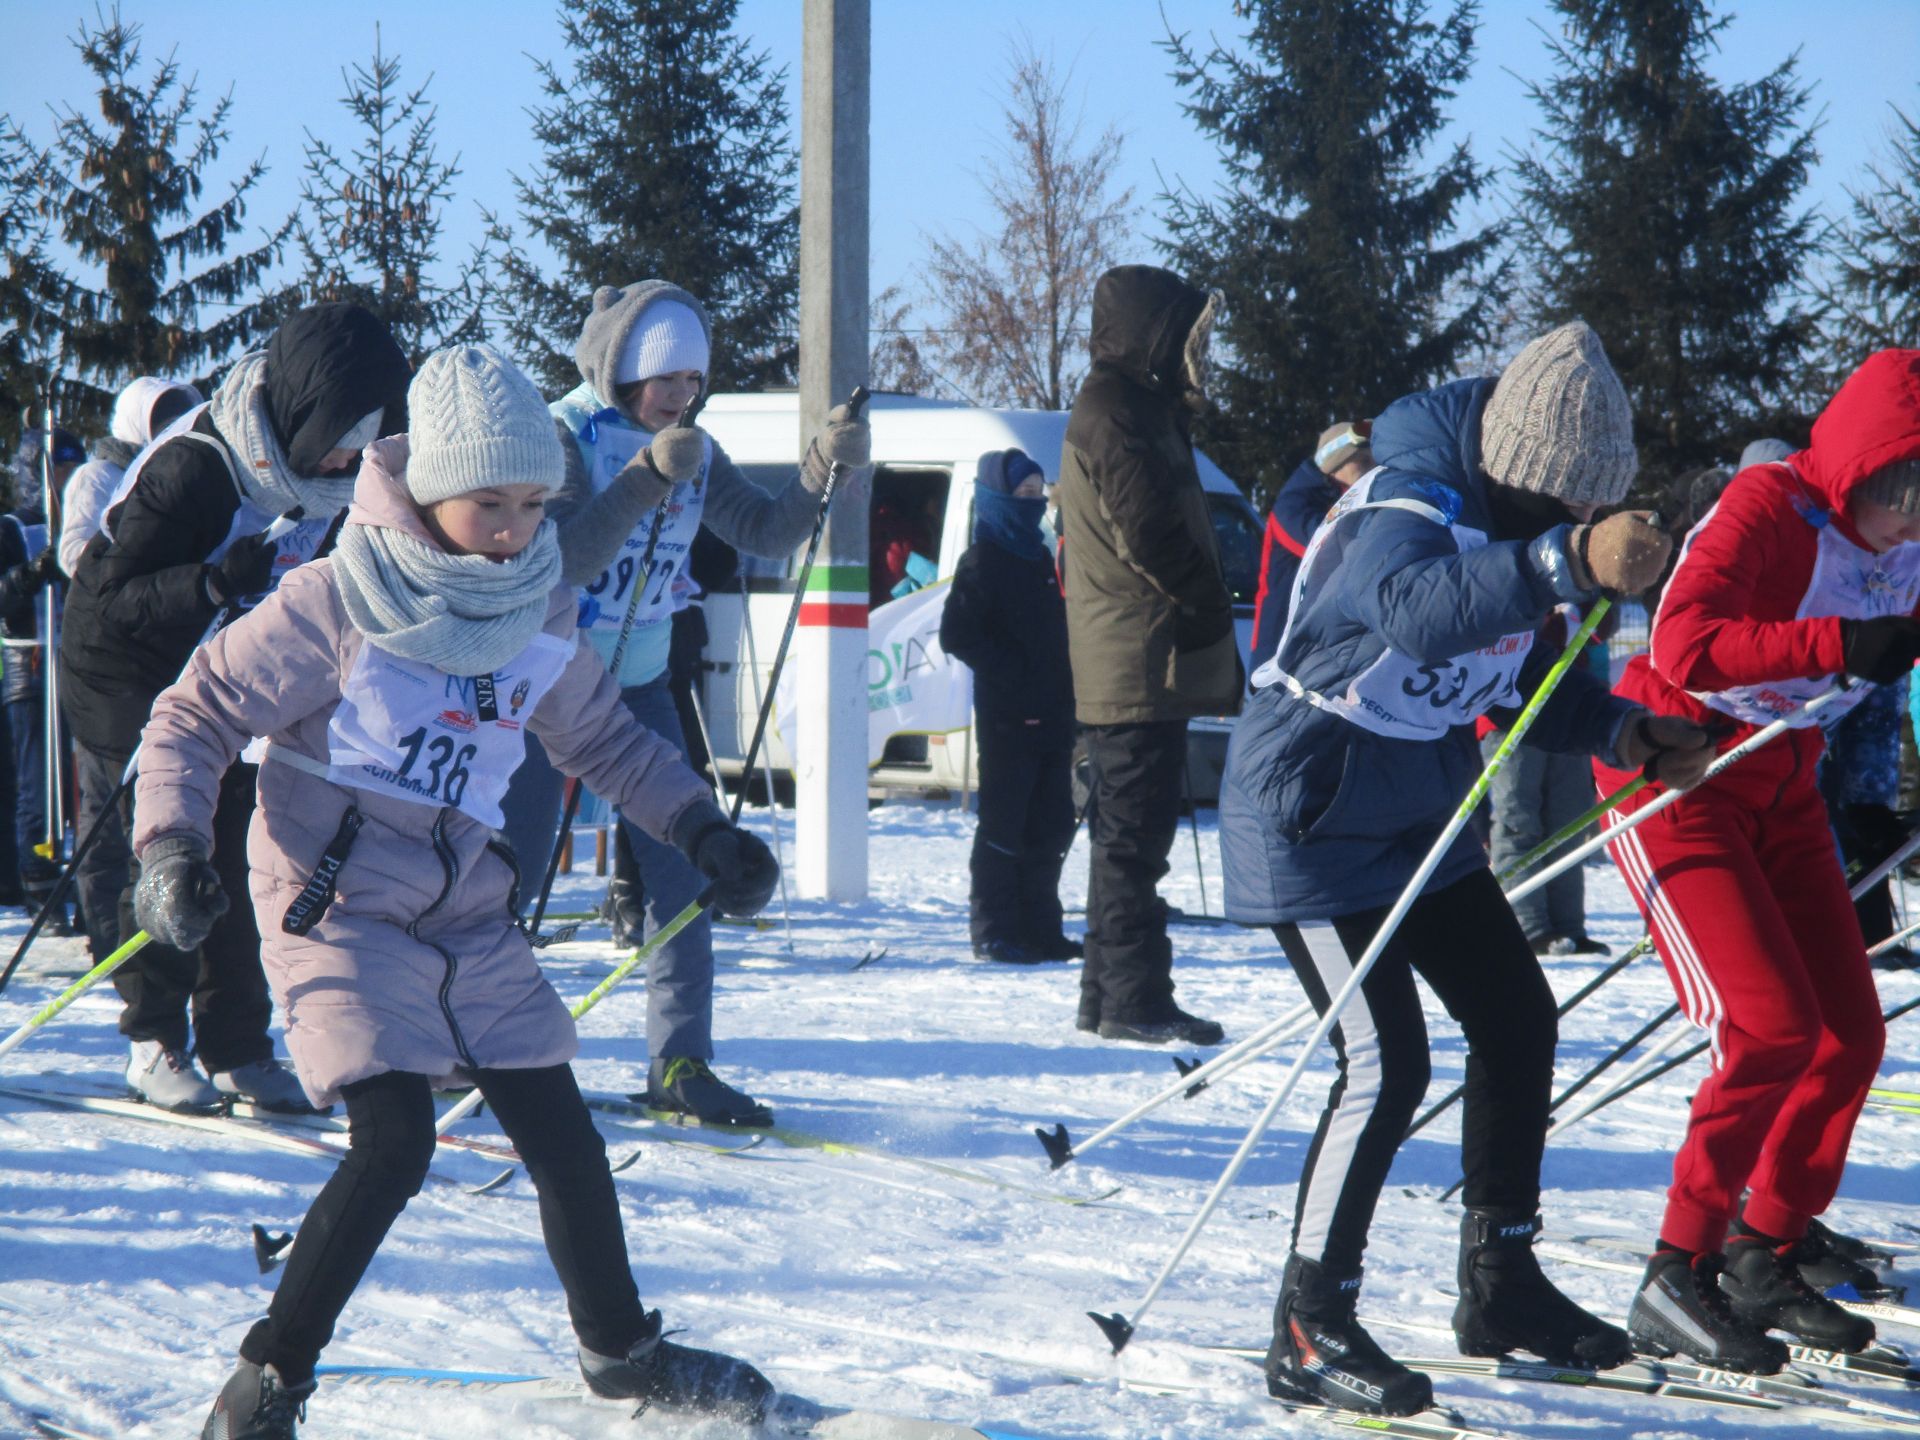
point(461, 614)
point(240, 414)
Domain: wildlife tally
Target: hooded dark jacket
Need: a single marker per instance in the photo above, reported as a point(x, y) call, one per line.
point(1149, 617)
point(139, 603)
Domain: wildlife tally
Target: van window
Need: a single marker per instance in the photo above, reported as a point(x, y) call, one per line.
point(906, 518)
point(1237, 533)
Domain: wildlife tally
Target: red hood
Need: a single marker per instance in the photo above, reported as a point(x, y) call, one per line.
point(1872, 422)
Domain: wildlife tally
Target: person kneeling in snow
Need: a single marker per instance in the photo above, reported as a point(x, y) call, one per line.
point(396, 682)
point(1415, 613)
point(1807, 569)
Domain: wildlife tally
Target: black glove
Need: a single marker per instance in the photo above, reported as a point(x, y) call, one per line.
point(44, 567)
point(1668, 749)
point(741, 867)
point(179, 895)
point(1880, 650)
point(246, 568)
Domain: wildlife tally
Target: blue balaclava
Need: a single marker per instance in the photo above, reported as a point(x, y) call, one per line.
point(1001, 517)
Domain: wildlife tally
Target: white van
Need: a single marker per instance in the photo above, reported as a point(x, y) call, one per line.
point(925, 453)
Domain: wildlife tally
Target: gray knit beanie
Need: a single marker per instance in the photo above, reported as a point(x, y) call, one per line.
point(1896, 486)
point(1558, 422)
point(474, 421)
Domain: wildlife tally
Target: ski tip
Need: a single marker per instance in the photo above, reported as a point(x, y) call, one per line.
point(495, 1183)
point(269, 1249)
point(1115, 1327)
point(1056, 1143)
point(1187, 1067)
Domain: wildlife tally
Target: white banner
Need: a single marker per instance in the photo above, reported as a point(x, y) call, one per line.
point(913, 686)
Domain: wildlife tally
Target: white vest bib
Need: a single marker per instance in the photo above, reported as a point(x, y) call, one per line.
point(1396, 695)
point(604, 602)
point(404, 728)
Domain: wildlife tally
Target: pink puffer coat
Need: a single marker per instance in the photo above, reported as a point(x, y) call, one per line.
point(417, 964)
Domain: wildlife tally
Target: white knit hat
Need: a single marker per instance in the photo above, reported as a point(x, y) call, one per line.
point(667, 337)
point(1558, 422)
point(475, 421)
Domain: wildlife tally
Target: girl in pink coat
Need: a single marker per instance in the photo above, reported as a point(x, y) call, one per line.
point(395, 683)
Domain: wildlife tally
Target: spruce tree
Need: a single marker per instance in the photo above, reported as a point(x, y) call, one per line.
point(128, 191)
point(1662, 211)
point(1872, 299)
point(370, 231)
point(1349, 280)
point(667, 155)
point(36, 297)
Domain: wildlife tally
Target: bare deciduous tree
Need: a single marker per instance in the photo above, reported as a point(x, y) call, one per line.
point(1016, 303)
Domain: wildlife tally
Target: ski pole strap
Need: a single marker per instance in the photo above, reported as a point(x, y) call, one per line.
point(74, 991)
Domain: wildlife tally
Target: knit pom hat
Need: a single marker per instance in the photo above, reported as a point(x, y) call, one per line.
point(668, 337)
point(477, 421)
point(1558, 422)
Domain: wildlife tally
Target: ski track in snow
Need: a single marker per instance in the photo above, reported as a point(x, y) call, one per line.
point(127, 1276)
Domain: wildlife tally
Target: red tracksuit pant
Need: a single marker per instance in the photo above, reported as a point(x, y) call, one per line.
point(1742, 890)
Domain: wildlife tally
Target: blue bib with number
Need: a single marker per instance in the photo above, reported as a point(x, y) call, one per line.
point(1397, 695)
point(403, 728)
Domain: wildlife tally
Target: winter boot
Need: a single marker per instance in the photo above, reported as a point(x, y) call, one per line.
point(1764, 1286)
point(1058, 946)
point(660, 1374)
point(1006, 952)
point(1507, 1304)
point(255, 1404)
point(1162, 1024)
point(268, 1085)
point(688, 1086)
point(165, 1077)
point(1848, 1247)
point(1682, 1310)
point(1323, 1355)
point(625, 912)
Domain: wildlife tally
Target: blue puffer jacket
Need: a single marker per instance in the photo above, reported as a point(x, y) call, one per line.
point(1320, 817)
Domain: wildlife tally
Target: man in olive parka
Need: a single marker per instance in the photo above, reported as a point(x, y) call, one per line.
point(1149, 628)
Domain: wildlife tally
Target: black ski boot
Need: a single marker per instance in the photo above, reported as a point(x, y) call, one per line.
point(1764, 1286)
point(1849, 1247)
point(660, 1374)
point(688, 1086)
point(1162, 1024)
point(1682, 1310)
point(1507, 1304)
point(1823, 1265)
point(1322, 1355)
point(255, 1405)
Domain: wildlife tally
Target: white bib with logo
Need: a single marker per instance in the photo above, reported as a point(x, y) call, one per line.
point(1396, 695)
point(604, 602)
point(1847, 581)
point(404, 728)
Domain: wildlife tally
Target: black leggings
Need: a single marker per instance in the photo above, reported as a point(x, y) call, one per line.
point(1464, 942)
point(391, 1141)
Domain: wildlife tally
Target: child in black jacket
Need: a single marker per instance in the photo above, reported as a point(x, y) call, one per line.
point(1006, 620)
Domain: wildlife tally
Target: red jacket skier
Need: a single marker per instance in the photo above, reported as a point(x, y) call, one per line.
point(1807, 570)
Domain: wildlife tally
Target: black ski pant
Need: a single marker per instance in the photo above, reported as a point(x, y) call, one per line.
point(222, 981)
point(1025, 826)
point(1466, 944)
point(100, 872)
point(390, 1144)
point(1137, 775)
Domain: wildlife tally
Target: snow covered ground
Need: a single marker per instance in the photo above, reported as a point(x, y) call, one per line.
point(127, 1278)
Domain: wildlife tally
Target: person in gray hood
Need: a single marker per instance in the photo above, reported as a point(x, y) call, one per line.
point(640, 484)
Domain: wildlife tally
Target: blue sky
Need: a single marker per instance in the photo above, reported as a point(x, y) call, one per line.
point(936, 84)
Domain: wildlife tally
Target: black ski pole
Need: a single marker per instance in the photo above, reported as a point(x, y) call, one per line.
point(1446, 1102)
point(65, 880)
point(855, 404)
point(572, 806)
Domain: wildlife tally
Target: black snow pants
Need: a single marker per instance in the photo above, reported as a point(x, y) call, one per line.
point(1466, 944)
point(1026, 825)
point(390, 1143)
point(1137, 792)
point(222, 980)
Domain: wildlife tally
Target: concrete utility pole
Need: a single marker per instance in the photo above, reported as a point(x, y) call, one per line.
point(830, 770)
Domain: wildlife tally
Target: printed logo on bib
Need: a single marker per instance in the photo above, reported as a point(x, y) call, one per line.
point(406, 729)
point(605, 601)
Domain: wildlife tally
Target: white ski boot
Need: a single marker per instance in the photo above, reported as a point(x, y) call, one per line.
point(265, 1083)
point(167, 1078)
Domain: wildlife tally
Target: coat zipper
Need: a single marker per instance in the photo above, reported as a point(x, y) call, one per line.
point(450, 865)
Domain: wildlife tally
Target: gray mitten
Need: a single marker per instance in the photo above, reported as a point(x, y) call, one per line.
point(179, 895)
point(845, 442)
point(742, 869)
point(678, 453)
